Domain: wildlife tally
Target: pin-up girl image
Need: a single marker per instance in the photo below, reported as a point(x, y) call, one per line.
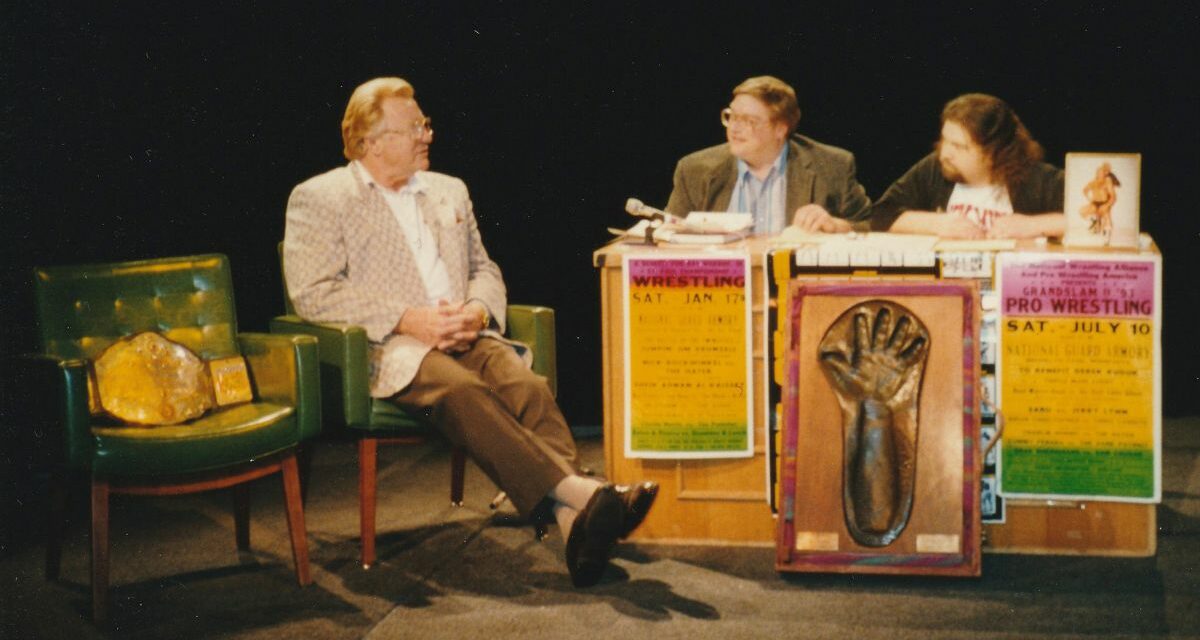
point(1101, 193)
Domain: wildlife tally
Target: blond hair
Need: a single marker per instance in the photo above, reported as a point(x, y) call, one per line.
point(777, 95)
point(364, 112)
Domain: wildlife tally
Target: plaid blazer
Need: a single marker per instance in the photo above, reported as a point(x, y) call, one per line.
point(346, 260)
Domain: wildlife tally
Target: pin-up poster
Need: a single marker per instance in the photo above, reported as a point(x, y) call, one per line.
point(1102, 201)
point(1079, 376)
point(688, 357)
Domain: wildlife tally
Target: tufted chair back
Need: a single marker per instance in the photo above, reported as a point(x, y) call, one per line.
point(83, 309)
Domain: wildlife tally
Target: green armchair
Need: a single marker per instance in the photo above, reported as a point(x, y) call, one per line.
point(83, 309)
point(347, 403)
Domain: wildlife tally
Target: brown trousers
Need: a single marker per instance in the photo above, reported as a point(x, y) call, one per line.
point(489, 402)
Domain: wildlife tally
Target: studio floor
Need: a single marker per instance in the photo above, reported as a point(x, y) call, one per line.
point(448, 572)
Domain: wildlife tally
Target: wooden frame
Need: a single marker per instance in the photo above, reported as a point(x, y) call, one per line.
point(942, 537)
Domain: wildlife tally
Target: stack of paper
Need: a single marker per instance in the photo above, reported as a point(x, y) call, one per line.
point(699, 227)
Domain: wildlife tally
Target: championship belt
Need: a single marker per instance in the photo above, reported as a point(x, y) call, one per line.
point(146, 379)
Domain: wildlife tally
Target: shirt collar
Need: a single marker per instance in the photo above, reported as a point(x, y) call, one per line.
point(415, 185)
point(780, 166)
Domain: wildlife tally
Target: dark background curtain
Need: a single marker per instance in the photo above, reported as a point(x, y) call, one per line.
point(135, 130)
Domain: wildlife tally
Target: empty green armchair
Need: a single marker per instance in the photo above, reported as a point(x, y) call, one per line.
point(347, 403)
point(81, 310)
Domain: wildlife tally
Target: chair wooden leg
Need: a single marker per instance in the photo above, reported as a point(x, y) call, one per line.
point(304, 453)
point(100, 491)
point(458, 468)
point(295, 518)
point(56, 513)
point(367, 452)
point(241, 515)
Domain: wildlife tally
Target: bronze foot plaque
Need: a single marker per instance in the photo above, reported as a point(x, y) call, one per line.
point(874, 358)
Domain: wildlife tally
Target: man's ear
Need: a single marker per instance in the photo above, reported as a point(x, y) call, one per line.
point(781, 131)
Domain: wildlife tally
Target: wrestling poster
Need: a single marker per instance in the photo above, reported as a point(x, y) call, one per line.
point(1079, 376)
point(688, 356)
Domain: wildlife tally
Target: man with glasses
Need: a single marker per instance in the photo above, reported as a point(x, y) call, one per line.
point(389, 245)
point(764, 168)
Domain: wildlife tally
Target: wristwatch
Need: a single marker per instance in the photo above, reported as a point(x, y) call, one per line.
point(484, 317)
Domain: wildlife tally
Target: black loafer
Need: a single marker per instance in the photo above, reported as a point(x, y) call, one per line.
point(593, 535)
point(637, 500)
point(541, 517)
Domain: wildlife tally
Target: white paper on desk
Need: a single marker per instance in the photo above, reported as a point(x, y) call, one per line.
point(861, 250)
point(716, 222)
point(900, 249)
point(677, 234)
point(992, 244)
point(966, 264)
point(807, 255)
point(795, 235)
point(637, 231)
point(834, 254)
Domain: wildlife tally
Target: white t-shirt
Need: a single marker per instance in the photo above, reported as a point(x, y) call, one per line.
point(980, 204)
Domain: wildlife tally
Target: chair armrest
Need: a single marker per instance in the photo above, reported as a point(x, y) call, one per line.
point(345, 375)
point(284, 370)
point(534, 326)
point(49, 402)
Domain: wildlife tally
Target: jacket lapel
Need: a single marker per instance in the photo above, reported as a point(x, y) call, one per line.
point(379, 220)
point(376, 212)
point(801, 180)
point(439, 217)
point(429, 207)
point(721, 181)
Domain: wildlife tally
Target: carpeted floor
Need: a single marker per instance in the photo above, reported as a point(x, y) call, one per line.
point(465, 572)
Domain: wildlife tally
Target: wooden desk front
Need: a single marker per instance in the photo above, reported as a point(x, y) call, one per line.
point(710, 501)
point(725, 501)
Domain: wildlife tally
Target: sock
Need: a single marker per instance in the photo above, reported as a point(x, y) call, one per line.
point(575, 491)
point(565, 517)
point(570, 496)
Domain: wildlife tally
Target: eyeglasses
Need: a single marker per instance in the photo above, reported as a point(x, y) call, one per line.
point(419, 128)
point(729, 118)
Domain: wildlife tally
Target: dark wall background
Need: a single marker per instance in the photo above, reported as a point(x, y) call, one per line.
point(142, 130)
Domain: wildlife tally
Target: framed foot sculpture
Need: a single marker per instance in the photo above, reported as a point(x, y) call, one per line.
point(879, 466)
point(874, 358)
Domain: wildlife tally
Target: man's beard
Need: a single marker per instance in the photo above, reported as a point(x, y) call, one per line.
point(950, 172)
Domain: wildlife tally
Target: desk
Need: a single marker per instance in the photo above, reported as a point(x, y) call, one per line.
point(725, 501)
point(709, 501)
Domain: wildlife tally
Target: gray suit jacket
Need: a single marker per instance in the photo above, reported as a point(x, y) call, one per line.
point(346, 260)
point(816, 173)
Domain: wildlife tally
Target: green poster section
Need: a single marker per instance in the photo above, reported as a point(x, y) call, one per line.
point(706, 437)
point(1120, 472)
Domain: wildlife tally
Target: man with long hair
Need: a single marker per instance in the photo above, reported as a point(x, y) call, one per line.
point(984, 179)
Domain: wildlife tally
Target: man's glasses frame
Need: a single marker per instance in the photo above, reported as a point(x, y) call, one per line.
point(729, 119)
point(419, 128)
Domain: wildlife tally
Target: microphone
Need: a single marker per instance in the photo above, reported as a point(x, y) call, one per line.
point(642, 210)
